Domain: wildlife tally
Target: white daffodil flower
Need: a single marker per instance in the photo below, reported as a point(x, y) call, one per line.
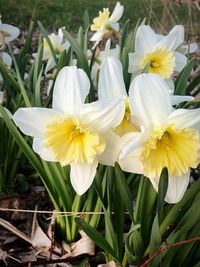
point(168, 138)
point(57, 41)
point(111, 86)
point(158, 51)
point(7, 60)
point(72, 132)
point(1, 97)
point(105, 23)
point(101, 57)
point(8, 33)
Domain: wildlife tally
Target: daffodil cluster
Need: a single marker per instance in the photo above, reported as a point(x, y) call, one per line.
point(138, 127)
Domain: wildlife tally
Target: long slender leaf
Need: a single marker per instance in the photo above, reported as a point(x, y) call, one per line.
point(96, 237)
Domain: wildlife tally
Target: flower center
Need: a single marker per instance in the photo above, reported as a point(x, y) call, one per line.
point(47, 50)
point(70, 141)
point(100, 20)
point(178, 150)
point(160, 61)
point(126, 125)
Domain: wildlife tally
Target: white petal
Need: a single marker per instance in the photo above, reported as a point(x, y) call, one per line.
point(33, 121)
point(150, 100)
point(82, 176)
point(170, 84)
point(111, 82)
point(132, 163)
point(107, 48)
point(177, 99)
point(184, 118)
point(115, 26)
point(70, 90)
point(50, 64)
point(12, 31)
point(103, 115)
point(8, 111)
point(114, 144)
point(177, 186)
point(7, 59)
point(117, 13)
point(1, 97)
point(190, 48)
point(134, 145)
point(40, 148)
point(180, 60)
point(145, 39)
point(134, 62)
point(65, 46)
point(60, 32)
point(173, 39)
point(56, 40)
point(97, 36)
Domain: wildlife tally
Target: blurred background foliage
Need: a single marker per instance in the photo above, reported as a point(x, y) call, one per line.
point(162, 14)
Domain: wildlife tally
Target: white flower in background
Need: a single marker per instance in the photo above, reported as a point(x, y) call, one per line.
point(71, 132)
point(1, 97)
point(6, 59)
point(158, 51)
point(59, 45)
point(168, 138)
point(105, 23)
point(101, 57)
point(8, 33)
point(111, 86)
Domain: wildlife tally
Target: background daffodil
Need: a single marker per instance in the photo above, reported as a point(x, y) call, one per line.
point(59, 45)
point(158, 52)
point(105, 23)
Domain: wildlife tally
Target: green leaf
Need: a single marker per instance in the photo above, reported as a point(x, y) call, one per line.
point(86, 20)
point(110, 233)
point(162, 190)
point(181, 81)
point(192, 86)
point(124, 190)
point(176, 209)
point(134, 246)
point(96, 237)
point(125, 64)
point(80, 38)
point(20, 81)
point(79, 52)
point(25, 51)
point(45, 35)
point(125, 31)
point(38, 90)
point(156, 239)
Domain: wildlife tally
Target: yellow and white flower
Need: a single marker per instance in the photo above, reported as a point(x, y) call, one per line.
point(8, 33)
point(105, 23)
point(72, 132)
point(168, 138)
point(158, 52)
point(59, 45)
point(111, 86)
